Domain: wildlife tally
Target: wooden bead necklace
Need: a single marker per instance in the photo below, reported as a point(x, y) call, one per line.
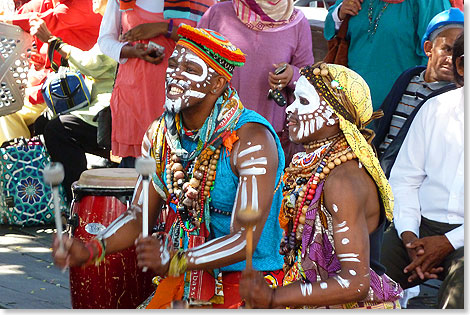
point(189, 188)
point(301, 184)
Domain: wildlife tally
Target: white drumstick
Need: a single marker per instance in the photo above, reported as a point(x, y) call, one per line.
point(54, 175)
point(145, 167)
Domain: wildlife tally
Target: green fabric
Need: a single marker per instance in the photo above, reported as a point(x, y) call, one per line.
point(99, 71)
point(396, 45)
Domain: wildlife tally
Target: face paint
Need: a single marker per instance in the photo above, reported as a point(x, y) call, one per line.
point(343, 230)
point(179, 92)
point(215, 256)
point(306, 288)
point(254, 193)
point(344, 283)
point(124, 218)
point(198, 252)
point(253, 171)
point(344, 241)
point(352, 272)
point(323, 285)
point(244, 196)
point(340, 225)
point(306, 114)
point(253, 161)
point(335, 208)
point(250, 150)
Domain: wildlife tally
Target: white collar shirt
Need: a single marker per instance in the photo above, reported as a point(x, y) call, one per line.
point(427, 178)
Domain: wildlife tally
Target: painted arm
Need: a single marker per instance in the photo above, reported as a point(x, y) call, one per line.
point(254, 159)
point(351, 239)
point(122, 232)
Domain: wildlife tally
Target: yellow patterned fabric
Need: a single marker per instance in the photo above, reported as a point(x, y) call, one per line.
point(339, 80)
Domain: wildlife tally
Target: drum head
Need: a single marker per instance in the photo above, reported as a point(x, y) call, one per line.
point(114, 178)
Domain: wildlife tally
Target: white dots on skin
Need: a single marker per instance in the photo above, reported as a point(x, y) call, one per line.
point(352, 272)
point(335, 208)
point(323, 285)
point(345, 241)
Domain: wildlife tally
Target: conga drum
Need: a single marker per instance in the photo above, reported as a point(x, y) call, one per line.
point(100, 196)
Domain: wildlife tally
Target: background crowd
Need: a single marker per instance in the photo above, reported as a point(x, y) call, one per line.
point(409, 53)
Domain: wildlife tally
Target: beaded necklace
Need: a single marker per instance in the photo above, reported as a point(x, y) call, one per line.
point(189, 188)
point(301, 182)
point(373, 25)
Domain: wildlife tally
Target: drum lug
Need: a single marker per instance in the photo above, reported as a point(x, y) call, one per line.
point(73, 222)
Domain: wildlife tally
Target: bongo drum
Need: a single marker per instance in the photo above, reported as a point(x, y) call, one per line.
point(100, 196)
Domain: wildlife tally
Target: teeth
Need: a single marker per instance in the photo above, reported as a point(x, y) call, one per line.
point(175, 90)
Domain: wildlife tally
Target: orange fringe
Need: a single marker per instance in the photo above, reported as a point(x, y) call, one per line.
point(170, 289)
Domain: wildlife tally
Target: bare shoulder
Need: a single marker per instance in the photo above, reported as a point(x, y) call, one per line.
point(352, 180)
point(256, 131)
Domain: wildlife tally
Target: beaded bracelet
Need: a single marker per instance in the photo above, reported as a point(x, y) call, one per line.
point(102, 244)
point(178, 264)
point(170, 29)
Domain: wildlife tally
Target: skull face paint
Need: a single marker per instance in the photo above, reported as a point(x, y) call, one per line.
point(188, 80)
point(308, 113)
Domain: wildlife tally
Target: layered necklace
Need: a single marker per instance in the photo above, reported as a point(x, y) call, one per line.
point(374, 23)
point(301, 180)
point(189, 188)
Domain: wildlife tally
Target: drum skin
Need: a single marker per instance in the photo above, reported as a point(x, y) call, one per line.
point(117, 283)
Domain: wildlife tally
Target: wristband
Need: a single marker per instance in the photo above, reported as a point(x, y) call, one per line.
point(170, 29)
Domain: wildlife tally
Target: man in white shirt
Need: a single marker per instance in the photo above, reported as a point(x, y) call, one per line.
point(427, 180)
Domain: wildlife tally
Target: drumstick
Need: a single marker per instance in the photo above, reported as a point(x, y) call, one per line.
point(54, 175)
point(145, 167)
point(248, 218)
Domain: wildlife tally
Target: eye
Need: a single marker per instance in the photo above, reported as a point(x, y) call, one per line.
point(172, 63)
point(303, 101)
point(191, 69)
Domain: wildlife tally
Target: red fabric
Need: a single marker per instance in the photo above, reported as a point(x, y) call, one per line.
point(457, 4)
point(71, 20)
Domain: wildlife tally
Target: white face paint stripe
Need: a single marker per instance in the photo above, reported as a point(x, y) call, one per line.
point(350, 259)
point(261, 160)
point(250, 150)
point(352, 272)
point(323, 285)
point(253, 171)
point(200, 62)
point(134, 194)
point(335, 208)
point(342, 223)
point(301, 130)
point(196, 94)
point(254, 193)
point(343, 230)
point(306, 288)
point(232, 219)
point(228, 252)
point(348, 255)
point(198, 252)
point(344, 283)
point(117, 224)
point(244, 196)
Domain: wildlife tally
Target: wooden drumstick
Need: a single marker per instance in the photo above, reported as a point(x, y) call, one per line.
point(54, 175)
point(145, 167)
point(248, 218)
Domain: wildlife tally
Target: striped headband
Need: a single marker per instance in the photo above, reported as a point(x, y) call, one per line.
point(212, 47)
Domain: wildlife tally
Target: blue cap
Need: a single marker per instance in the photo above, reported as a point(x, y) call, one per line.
point(447, 17)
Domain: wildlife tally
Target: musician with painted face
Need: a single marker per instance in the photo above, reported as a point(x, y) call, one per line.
point(213, 159)
point(336, 201)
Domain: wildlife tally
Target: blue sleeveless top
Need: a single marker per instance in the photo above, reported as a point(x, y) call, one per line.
point(266, 256)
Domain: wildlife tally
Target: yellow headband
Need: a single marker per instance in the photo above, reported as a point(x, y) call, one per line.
point(352, 117)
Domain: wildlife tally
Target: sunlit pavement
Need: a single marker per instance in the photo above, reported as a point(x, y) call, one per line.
point(28, 278)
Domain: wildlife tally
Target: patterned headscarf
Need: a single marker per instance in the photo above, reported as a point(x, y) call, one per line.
point(217, 51)
point(348, 95)
point(262, 15)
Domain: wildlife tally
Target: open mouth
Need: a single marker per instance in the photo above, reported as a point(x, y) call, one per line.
point(291, 120)
point(175, 90)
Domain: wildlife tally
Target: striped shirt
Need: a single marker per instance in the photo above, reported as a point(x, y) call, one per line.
point(416, 91)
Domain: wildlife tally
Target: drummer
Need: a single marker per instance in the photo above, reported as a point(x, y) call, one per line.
point(213, 158)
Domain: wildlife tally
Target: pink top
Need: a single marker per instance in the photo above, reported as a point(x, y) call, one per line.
point(292, 45)
point(139, 90)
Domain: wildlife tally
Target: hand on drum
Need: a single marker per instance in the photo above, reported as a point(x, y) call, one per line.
point(152, 253)
point(74, 252)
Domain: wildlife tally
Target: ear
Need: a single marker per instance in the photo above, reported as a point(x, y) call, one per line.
point(428, 47)
point(219, 85)
point(459, 66)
